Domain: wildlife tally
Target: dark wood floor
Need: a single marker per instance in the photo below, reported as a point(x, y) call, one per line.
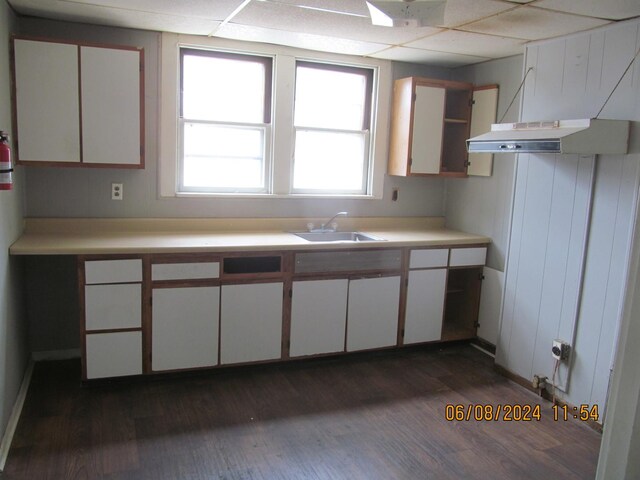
point(363, 417)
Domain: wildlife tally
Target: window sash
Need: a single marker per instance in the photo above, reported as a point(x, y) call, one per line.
point(265, 173)
point(363, 189)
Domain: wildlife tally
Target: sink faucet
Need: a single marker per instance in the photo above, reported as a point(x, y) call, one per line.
point(326, 226)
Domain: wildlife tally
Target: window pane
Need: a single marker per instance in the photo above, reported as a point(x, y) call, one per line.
point(329, 161)
point(223, 157)
point(329, 99)
point(223, 89)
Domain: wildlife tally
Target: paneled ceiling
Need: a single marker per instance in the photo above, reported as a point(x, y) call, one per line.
point(473, 30)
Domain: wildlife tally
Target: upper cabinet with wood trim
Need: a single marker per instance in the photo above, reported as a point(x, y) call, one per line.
point(78, 105)
point(430, 122)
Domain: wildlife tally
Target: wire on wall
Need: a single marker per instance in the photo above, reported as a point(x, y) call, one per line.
point(619, 80)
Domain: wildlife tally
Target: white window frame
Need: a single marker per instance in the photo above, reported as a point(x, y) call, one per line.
point(280, 172)
point(264, 126)
point(366, 177)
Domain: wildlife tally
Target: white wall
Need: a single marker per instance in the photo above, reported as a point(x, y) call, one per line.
point(13, 325)
point(73, 192)
point(573, 217)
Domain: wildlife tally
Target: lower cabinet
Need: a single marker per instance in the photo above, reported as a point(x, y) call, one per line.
point(184, 332)
point(318, 316)
point(251, 322)
point(372, 318)
point(425, 305)
point(113, 354)
point(462, 304)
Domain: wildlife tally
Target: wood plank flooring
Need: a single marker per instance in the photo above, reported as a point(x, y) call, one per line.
point(378, 416)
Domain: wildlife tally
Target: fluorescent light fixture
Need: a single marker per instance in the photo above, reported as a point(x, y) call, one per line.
point(406, 13)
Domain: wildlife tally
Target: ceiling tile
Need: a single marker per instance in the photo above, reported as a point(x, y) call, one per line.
point(285, 17)
point(354, 7)
point(99, 15)
point(609, 9)
point(468, 43)
point(415, 55)
point(459, 12)
point(299, 40)
point(533, 23)
point(202, 9)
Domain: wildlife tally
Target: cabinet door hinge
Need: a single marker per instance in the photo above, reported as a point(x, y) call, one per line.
point(291, 293)
point(472, 102)
point(406, 282)
point(414, 97)
point(467, 164)
point(410, 161)
point(481, 277)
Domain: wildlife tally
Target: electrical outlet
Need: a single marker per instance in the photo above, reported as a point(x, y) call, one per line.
point(560, 350)
point(116, 191)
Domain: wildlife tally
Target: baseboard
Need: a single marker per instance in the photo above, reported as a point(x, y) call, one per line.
point(15, 415)
point(55, 355)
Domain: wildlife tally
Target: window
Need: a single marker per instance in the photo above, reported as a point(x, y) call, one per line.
point(225, 116)
point(272, 121)
point(332, 122)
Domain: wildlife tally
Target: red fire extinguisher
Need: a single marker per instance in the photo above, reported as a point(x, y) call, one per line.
point(6, 182)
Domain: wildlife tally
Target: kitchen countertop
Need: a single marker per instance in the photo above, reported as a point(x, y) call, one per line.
point(152, 235)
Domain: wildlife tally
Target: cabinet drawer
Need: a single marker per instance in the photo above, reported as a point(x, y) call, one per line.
point(468, 256)
point(429, 258)
point(114, 354)
point(111, 307)
point(113, 271)
point(185, 271)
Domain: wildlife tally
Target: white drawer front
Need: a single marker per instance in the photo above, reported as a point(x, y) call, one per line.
point(468, 256)
point(114, 354)
point(429, 258)
point(184, 271)
point(113, 271)
point(110, 307)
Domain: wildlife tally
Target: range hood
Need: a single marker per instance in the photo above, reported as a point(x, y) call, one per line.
point(583, 136)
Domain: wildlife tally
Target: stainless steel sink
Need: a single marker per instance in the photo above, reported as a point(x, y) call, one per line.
point(337, 237)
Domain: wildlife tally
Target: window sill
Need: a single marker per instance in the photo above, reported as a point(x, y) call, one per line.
point(261, 196)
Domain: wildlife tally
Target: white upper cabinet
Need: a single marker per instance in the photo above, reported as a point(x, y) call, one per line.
point(485, 105)
point(110, 105)
point(426, 141)
point(78, 105)
point(47, 101)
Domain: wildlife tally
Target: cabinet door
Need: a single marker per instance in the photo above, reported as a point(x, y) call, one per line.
point(251, 322)
point(114, 354)
point(372, 320)
point(111, 307)
point(110, 106)
point(428, 118)
point(318, 317)
point(47, 101)
point(184, 326)
point(425, 305)
point(485, 105)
